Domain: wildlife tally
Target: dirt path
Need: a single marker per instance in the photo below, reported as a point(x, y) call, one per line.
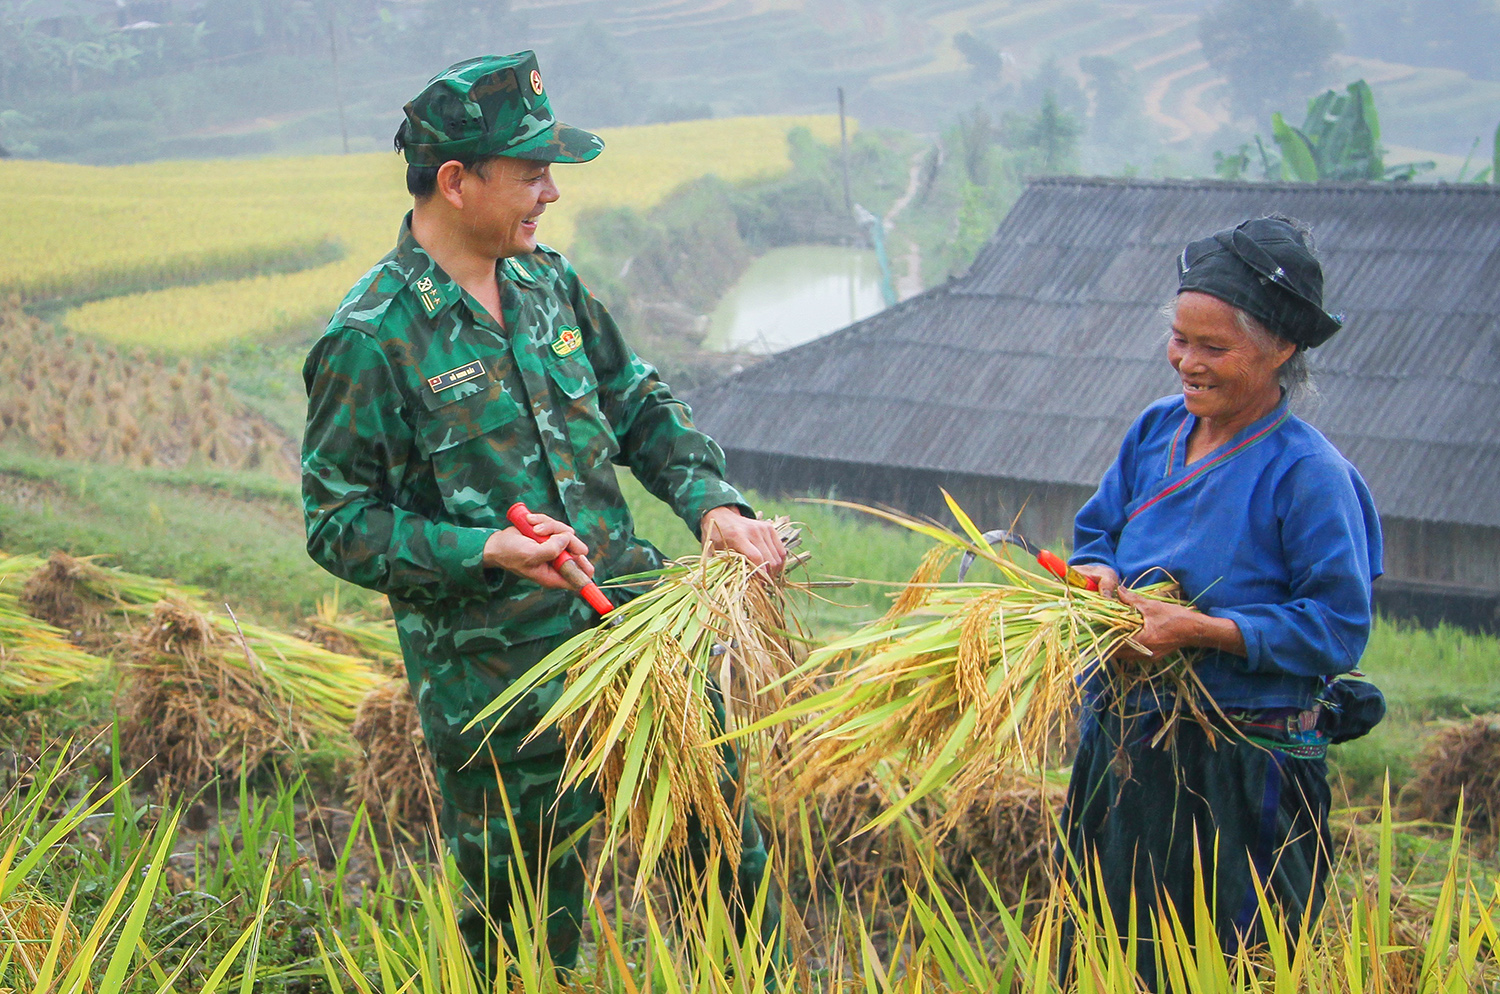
point(908, 284)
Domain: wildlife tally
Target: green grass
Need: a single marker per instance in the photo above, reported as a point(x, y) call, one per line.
point(237, 534)
point(235, 904)
point(241, 535)
point(1426, 675)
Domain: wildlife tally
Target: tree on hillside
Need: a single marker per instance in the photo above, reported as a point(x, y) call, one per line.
point(985, 60)
point(458, 29)
point(1116, 121)
point(1268, 50)
point(976, 134)
point(1052, 78)
point(1054, 136)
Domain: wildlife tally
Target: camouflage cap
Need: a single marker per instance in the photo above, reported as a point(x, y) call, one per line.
point(491, 105)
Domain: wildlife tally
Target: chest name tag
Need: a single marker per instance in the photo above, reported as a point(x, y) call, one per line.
point(454, 377)
point(569, 340)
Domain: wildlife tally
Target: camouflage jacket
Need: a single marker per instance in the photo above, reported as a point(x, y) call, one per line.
point(426, 420)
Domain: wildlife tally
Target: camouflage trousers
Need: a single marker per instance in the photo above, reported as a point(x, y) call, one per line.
point(477, 831)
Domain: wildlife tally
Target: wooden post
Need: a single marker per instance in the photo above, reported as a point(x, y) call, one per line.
point(844, 151)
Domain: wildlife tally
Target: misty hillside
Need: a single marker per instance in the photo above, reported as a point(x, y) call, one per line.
point(126, 80)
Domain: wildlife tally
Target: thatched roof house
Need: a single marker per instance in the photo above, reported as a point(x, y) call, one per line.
point(1013, 385)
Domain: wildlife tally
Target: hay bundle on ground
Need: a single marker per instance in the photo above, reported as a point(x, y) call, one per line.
point(353, 635)
point(51, 593)
point(208, 695)
point(189, 710)
point(1461, 759)
point(638, 713)
point(35, 657)
point(394, 774)
point(95, 605)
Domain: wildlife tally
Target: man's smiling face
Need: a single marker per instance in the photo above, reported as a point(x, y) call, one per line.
point(502, 202)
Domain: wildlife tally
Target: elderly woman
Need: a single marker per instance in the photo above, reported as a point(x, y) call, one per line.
point(1273, 536)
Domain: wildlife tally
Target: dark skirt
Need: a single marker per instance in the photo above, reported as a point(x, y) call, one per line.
point(1148, 813)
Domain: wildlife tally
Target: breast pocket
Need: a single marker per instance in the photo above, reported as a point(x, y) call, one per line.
point(477, 446)
point(589, 431)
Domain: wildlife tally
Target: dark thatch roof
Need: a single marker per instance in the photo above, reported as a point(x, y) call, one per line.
point(1032, 365)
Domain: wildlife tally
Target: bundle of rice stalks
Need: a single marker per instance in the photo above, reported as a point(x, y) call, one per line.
point(961, 684)
point(325, 686)
point(395, 774)
point(208, 697)
point(649, 691)
point(35, 657)
point(33, 928)
point(188, 710)
point(91, 602)
point(351, 635)
point(1460, 765)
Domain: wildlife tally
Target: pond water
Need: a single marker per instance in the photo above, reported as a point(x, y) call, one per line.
point(792, 295)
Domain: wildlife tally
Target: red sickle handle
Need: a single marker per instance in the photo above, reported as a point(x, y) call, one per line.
point(1053, 563)
point(564, 563)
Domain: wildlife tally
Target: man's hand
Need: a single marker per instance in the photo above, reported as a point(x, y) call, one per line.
point(1109, 580)
point(1170, 627)
point(510, 550)
point(756, 540)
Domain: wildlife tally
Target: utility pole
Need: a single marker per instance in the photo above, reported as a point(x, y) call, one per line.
point(844, 146)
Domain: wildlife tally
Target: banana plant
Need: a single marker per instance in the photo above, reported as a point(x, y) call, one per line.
point(1338, 142)
point(1490, 173)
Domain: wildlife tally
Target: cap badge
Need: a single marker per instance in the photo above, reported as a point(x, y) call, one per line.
point(536, 81)
point(569, 340)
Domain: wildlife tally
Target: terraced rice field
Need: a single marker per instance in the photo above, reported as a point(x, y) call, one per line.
point(904, 48)
point(295, 234)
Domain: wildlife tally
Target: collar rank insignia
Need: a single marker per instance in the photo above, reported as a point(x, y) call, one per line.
point(568, 341)
point(518, 272)
point(429, 294)
point(452, 378)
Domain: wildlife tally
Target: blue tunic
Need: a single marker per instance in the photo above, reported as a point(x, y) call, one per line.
point(1274, 530)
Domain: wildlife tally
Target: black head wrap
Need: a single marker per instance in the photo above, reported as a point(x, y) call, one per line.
point(1264, 268)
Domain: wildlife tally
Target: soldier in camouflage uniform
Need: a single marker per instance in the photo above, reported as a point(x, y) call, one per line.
point(470, 369)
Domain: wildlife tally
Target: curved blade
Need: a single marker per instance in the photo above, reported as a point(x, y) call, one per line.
point(992, 537)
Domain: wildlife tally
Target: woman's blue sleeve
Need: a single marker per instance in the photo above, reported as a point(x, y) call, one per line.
point(1331, 544)
point(1098, 524)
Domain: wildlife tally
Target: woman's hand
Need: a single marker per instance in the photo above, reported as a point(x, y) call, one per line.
point(1109, 580)
point(1170, 627)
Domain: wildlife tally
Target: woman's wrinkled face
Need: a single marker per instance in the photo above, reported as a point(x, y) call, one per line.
point(1227, 373)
